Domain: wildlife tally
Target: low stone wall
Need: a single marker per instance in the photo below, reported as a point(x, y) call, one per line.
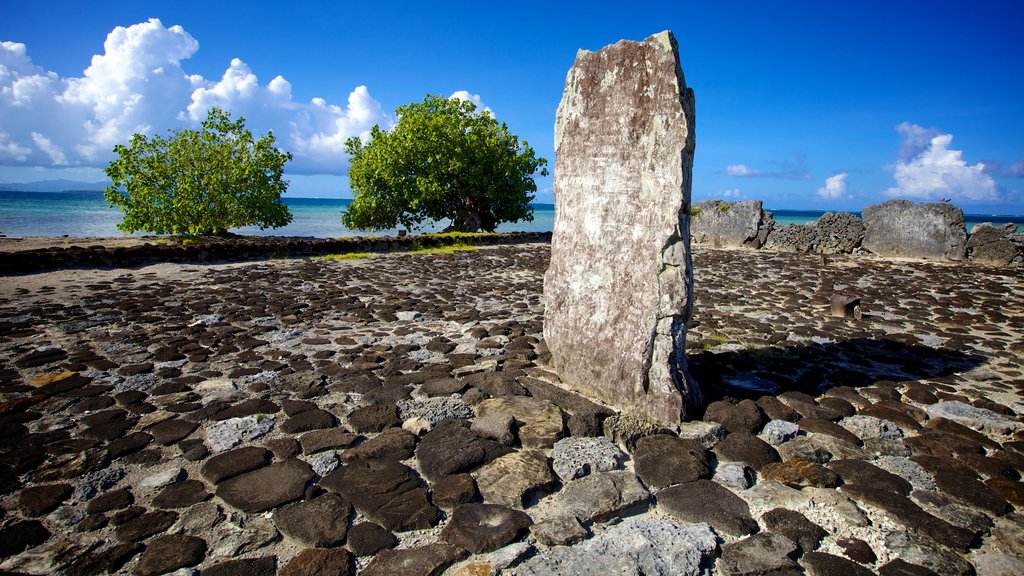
point(237, 250)
point(897, 228)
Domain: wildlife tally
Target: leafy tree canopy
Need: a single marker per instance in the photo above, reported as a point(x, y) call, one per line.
point(443, 160)
point(199, 182)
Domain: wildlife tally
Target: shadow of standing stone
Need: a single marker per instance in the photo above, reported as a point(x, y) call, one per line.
point(618, 292)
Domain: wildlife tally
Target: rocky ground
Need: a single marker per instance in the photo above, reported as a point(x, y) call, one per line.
point(396, 415)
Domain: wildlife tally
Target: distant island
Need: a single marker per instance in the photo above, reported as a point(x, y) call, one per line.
point(54, 186)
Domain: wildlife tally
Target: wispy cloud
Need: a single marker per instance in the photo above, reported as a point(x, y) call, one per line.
point(1014, 170)
point(139, 84)
point(795, 170)
point(835, 187)
point(933, 170)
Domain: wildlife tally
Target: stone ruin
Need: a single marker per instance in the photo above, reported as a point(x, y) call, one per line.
point(618, 293)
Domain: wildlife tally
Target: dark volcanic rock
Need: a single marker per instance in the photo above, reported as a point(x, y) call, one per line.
point(373, 418)
point(391, 444)
point(265, 566)
point(21, 535)
point(795, 526)
point(247, 408)
point(798, 473)
point(857, 550)
point(970, 490)
point(662, 460)
point(327, 439)
point(867, 474)
point(169, 552)
point(319, 523)
point(707, 501)
point(181, 495)
point(746, 448)
point(386, 492)
point(170, 431)
point(451, 448)
point(145, 525)
point(39, 500)
point(422, 561)
point(107, 561)
point(827, 427)
point(128, 444)
point(113, 500)
point(266, 488)
point(764, 553)
point(745, 416)
point(900, 567)
point(368, 538)
point(821, 564)
point(481, 528)
point(912, 516)
point(453, 490)
point(309, 420)
point(234, 462)
point(320, 562)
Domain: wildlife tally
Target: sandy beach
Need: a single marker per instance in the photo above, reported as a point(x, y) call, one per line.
point(371, 415)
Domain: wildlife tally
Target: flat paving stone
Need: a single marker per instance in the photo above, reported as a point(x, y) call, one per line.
point(170, 431)
point(145, 525)
point(318, 523)
point(419, 561)
point(310, 420)
point(480, 528)
point(368, 538)
point(169, 552)
point(267, 488)
point(320, 562)
point(385, 491)
point(265, 566)
point(38, 500)
point(181, 495)
point(707, 501)
point(234, 462)
point(662, 460)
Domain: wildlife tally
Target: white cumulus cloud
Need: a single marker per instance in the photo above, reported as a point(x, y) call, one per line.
point(139, 84)
point(933, 171)
point(474, 98)
point(739, 170)
point(835, 187)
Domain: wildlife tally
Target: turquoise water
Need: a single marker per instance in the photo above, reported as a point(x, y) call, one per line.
point(88, 214)
point(58, 214)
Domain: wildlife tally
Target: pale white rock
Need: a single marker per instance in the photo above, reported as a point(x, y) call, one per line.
point(706, 433)
point(229, 433)
point(161, 478)
point(973, 417)
point(618, 291)
point(778, 431)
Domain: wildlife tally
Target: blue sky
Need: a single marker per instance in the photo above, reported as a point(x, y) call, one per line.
point(801, 104)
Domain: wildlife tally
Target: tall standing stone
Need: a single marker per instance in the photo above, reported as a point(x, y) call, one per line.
point(618, 292)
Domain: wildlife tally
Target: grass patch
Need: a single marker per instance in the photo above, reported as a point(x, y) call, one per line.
point(714, 340)
point(724, 207)
point(349, 256)
point(694, 212)
point(460, 234)
point(416, 248)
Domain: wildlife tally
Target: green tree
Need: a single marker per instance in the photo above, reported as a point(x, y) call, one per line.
point(443, 160)
point(199, 182)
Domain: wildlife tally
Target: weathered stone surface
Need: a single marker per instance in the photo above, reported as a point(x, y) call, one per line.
point(266, 488)
point(481, 528)
point(234, 462)
point(797, 473)
point(653, 547)
point(451, 448)
point(822, 564)
point(973, 417)
point(181, 495)
point(763, 553)
point(795, 526)
point(368, 538)
point(513, 477)
point(905, 229)
point(385, 491)
point(169, 552)
point(595, 498)
point(391, 444)
point(265, 566)
point(729, 224)
point(320, 562)
point(745, 416)
point(421, 561)
point(540, 421)
point(39, 500)
point(800, 238)
point(706, 501)
point(839, 232)
point(575, 457)
point(558, 531)
point(453, 490)
point(618, 290)
point(990, 245)
point(145, 525)
point(662, 460)
point(742, 447)
point(319, 523)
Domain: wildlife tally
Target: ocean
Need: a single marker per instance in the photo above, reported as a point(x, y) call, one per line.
point(75, 214)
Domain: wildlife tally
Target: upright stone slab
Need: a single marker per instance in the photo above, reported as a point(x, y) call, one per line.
point(618, 292)
point(905, 229)
point(729, 224)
